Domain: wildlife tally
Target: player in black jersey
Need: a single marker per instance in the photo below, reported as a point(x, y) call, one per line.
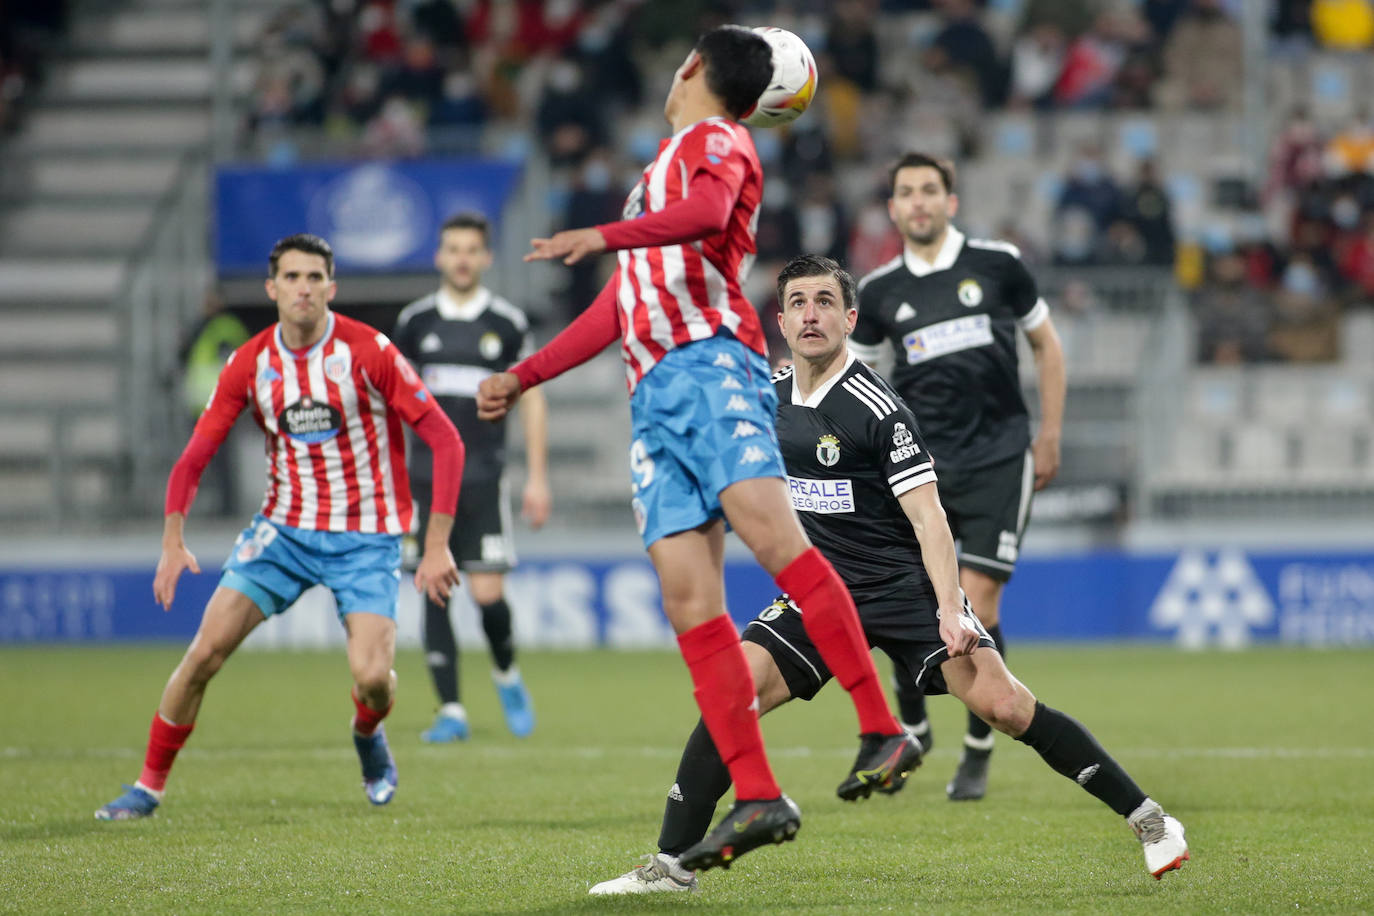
point(864, 487)
point(456, 337)
point(949, 308)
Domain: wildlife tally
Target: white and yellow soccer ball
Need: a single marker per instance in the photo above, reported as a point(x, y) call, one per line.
point(793, 85)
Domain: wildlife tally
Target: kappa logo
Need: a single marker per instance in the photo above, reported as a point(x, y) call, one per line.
point(905, 312)
point(724, 361)
point(753, 455)
point(430, 342)
point(730, 384)
point(1212, 603)
point(737, 402)
point(744, 429)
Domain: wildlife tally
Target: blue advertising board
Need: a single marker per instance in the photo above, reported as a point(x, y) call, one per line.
point(378, 216)
point(1223, 597)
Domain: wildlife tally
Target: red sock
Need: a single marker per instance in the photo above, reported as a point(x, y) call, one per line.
point(366, 719)
point(833, 624)
point(729, 706)
point(164, 740)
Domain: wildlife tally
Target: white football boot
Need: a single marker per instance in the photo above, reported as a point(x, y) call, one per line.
point(660, 872)
point(1161, 836)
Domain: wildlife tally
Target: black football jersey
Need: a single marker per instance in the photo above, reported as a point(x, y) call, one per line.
point(850, 451)
point(952, 328)
point(454, 347)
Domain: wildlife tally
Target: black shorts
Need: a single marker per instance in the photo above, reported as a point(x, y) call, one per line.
point(987, 509)
point(481, 540)
point(917, 652)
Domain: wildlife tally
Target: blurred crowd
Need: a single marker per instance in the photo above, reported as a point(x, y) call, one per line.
point(1278, 289)
point(582, 81)
point(28, 30)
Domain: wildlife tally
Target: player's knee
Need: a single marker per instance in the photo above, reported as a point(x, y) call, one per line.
point(1011, 710)
point(203, 661)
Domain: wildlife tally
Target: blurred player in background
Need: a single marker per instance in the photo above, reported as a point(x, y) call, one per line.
point(455, 337)
point(949, 307)
point(704, 450)
point(865, 488)
point(330, 393)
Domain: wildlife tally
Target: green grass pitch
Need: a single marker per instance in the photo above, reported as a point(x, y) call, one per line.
point(1266, 756)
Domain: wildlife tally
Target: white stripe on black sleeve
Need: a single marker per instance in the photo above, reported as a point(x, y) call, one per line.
point(879, 394)
point(866, 398)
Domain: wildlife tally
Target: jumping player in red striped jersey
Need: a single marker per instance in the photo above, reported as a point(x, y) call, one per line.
point(330, 393)
point(704, 448)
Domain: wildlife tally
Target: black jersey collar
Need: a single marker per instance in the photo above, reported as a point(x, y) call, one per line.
point(944, 260)
point(450, 310)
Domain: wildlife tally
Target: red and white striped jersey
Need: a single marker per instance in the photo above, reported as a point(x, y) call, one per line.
point(671, 295)
point(335, 446)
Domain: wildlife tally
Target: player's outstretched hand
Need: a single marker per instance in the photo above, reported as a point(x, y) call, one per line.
point(437, 575)
point(572, 245)
point(537, 504)
point(958, 632)
point(496, 395)
point(173, 562)
point(1045, 456)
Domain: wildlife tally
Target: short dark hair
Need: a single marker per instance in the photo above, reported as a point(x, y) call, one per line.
point(815, 265)
point(739, 66)
point(301, 241)
point(917, 160)
point(468, 219)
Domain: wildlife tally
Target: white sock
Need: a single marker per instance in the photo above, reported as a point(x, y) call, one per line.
point(506, 678)
point(454, 711)
point(155, 793)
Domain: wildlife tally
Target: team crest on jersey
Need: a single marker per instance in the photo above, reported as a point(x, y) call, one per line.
point(828, 450)
point(309, 421)
point(970, 293)
point(634, 204)
point(336, 367)
point(719, 144)
point(490, 345)
point(774, 610)
point(430, 343)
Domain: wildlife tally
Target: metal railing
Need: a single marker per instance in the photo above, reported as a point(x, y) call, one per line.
point(164, 288)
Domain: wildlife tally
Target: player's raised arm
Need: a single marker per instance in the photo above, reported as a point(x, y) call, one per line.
point(590, 333)
point(704, 211)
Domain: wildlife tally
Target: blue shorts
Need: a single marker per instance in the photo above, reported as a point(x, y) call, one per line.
point(273, 564)
point(702, 419)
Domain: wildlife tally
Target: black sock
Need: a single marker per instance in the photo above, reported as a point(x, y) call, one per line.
point(441, 651)
point(702, 780)
point(496, 624)
point(1072, 751)
point(977, 728)
point(911, 702)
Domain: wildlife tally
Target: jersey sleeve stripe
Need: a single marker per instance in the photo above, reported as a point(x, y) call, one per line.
point(866, 399)
point(879, 394)
point(1036, 316)
point(918, 469)
point(879, 271)
point(995, 245)
point(869, 353)
point(912, 483)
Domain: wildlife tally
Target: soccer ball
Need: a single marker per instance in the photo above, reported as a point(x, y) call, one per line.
point(793, 85)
